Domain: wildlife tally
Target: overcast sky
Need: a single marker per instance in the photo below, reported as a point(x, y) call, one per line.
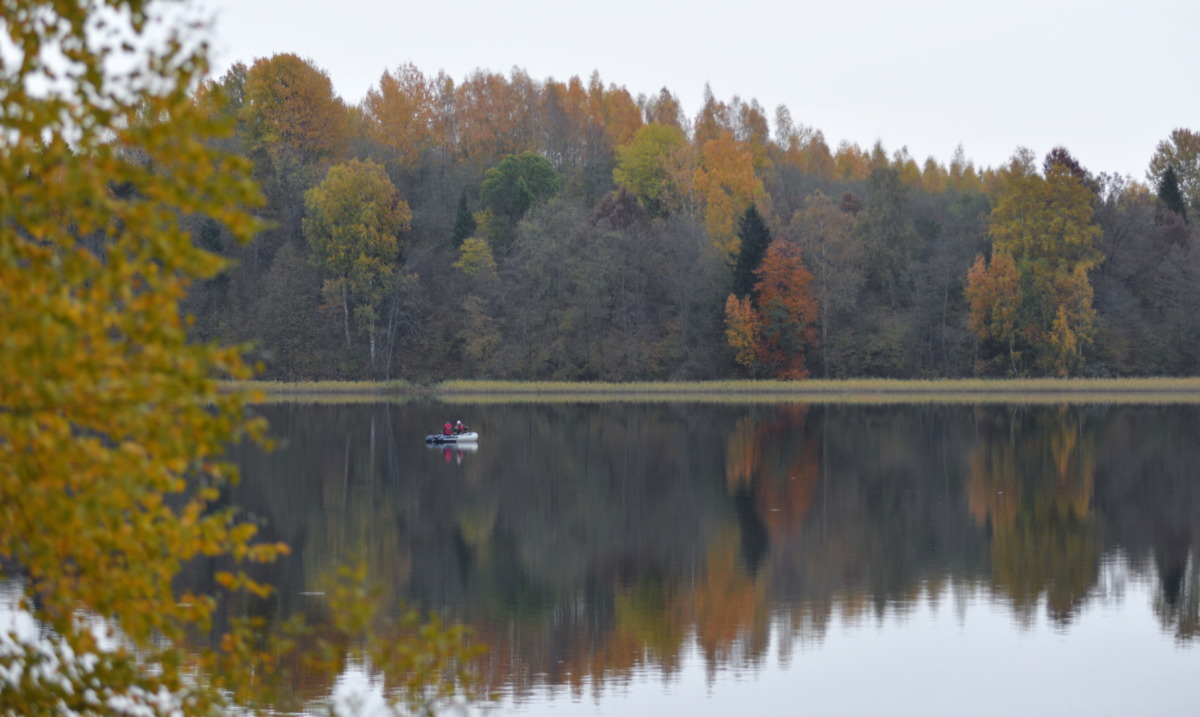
point(1108, 80)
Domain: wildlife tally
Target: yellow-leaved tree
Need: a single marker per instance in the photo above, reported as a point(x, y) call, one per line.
point(1031, 305)
point(112, 423)
point(651, 167)
point(355, 217)
point(727, 184)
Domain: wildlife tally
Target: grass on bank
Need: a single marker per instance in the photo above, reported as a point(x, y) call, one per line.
point(1123, 390)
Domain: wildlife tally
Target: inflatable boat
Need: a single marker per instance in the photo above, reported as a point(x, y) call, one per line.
point(468, 437)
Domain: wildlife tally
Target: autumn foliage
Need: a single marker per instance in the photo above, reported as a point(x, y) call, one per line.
point(743, 328)
point(522, 162)
point(114, 426)
point(772, 338)
point(355, 218)
point(1032, 304)
point(789, 311)
point(519, 162)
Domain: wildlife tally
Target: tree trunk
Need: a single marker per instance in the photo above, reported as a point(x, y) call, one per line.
point(371, 334)
point(346, 313)
point(390, 342)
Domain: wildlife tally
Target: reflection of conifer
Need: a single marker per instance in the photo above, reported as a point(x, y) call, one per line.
point(755, 542)
point(1168, 192)
point(464, 222)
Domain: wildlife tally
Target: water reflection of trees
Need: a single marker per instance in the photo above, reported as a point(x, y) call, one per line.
point(1148, 489)
point(589, 542)
point(1032, 474)
point(1178, 603)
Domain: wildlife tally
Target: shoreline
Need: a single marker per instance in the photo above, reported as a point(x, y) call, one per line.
point(1041, 390)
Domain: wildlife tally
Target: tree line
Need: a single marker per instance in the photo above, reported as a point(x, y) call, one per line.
point(504, 227)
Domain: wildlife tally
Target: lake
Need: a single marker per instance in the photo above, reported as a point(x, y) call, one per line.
point(707, 558)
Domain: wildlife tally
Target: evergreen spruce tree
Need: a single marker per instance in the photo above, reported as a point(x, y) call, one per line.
point(755, 237)
point(1168, 192)
point(464, 222)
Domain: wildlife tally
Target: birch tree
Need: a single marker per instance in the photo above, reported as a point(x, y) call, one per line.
point(355, 217)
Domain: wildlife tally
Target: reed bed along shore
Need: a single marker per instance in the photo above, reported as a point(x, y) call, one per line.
point(1123, 390)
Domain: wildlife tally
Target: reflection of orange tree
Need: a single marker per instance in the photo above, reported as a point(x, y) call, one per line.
point(731, 609)
point(1032, 480)
point(652, 619)
point(776, 462)
point(576, 639)
point(649, 630)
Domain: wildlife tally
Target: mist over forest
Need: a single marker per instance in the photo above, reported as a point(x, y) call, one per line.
point(506, 227)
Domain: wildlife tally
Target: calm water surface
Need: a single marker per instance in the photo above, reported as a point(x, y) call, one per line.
point(714, 558)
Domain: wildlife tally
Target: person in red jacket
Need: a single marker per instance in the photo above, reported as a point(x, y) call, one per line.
point(447, 429)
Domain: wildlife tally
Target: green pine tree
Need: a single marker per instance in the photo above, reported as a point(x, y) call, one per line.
point(464, 222)
point(755, 237)
point(1168, 192)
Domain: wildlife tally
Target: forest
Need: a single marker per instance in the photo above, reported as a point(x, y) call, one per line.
point(509, 228)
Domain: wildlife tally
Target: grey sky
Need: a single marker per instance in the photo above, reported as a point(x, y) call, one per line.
point(1108, 80)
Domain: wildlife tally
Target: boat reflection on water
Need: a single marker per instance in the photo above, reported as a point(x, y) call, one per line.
point(453, 452)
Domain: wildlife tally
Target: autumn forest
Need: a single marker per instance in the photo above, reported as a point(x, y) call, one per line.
point(510, 228)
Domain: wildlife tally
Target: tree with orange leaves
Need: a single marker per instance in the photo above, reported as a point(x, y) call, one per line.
point(771, 340)
point(727, 184)
point(616, 109)
point(400, 114)
point(994, 293)
point(295, 128)
point(292, 115)
point(788, 309)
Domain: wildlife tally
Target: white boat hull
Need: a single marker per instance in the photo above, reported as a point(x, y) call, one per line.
point(468, 437)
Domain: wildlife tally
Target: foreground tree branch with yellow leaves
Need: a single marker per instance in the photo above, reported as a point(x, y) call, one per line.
point(112, 426)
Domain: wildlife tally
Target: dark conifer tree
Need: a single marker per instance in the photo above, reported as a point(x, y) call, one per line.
point(755, 238)
point(1168, 192)
point(464, 222)
point(1060, 157)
